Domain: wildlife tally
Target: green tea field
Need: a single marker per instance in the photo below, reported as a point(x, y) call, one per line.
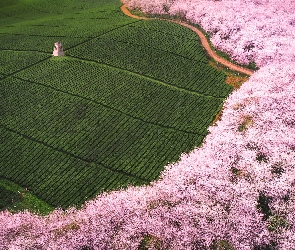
point(128, 97)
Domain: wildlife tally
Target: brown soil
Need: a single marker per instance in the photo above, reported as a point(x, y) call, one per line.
point(203, 41)
point(127, 13)
point(235, 81)
point(217, 117)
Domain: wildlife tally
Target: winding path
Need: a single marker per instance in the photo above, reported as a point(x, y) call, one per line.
point(204, 42)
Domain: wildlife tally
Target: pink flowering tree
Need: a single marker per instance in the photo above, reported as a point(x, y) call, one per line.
point(234, 192)
point(249, 30)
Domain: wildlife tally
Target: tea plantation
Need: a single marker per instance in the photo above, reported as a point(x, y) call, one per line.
point(128, 97)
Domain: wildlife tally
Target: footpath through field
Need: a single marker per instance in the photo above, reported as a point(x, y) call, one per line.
point(203, 41)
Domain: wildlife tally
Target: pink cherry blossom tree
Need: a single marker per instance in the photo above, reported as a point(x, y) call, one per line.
point(236, 191)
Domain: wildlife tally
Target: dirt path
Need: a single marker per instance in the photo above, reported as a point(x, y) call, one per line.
point(203, 41)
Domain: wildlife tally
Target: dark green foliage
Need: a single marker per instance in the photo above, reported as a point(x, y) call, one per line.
point(174, 38)
point(276, 223)
point(235, 171)
point(12, 61)
point(7, 198)
point(150, 241)
point(50, 172)
point(252, 65)
point(58, 123)
point(67, 19)
point(129, 93)
point(263, 206)
point(33, 43)
point(235, 174)
point(271, 246)
point(22, 198)
point(261, 157)
point(246, 121)
point(221, 245)
point(286, 198)
point(164, 59)
point(129, 97)
point(277, 169)
point(242, 127)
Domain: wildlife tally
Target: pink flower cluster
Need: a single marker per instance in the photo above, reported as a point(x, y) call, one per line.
point(238, 188)
point(249, 30)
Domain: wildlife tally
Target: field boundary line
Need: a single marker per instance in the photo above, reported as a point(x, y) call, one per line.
point(70, 154)
point(18, 50)
point(167, 51)
point(92, 38)
point(109, 107)
point(203, 40)
point(149, 78)
point(18, 34)
point(31, 65)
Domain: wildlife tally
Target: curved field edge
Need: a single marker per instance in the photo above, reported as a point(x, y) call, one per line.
point(236, 74)
point(36, 94)
point(252, 115)
point(219, 56)
point(16, 198)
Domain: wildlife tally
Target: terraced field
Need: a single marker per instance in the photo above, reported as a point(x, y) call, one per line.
point(128, 98)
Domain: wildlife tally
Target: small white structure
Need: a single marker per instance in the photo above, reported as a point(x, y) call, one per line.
point(58, 51)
